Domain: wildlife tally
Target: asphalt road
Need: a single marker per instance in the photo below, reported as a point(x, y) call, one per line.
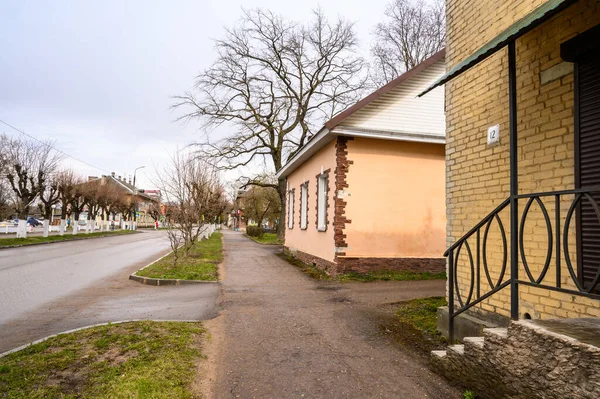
point(46, 289)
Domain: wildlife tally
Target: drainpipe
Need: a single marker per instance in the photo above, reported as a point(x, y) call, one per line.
point(514, 182)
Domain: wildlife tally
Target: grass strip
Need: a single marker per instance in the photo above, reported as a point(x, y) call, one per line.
point(267, 238)
point(415, 324)
point(391, 275)
point(200, 263)
point(9, 242)
point(381, 275)
point(130, 360)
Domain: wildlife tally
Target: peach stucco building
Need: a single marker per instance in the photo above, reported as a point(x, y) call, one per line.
point(367, 191)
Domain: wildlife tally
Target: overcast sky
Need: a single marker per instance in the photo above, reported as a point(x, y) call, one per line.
point(96, 77)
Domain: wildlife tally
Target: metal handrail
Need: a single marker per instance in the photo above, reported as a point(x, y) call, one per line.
point(483, 221)
point(557, 243)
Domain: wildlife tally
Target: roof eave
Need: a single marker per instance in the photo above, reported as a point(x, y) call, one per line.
point(315, 144)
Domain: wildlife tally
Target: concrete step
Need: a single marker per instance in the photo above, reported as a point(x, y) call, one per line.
point(498, 332)
point(459, 349)
point(439, 354)
point(474, 341)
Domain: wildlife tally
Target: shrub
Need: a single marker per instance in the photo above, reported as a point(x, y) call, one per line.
point(255, 231)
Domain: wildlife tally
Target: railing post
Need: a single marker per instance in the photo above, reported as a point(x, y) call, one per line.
point(557, 227)
point(514, 182)
point(478, 281)
point(451, 297)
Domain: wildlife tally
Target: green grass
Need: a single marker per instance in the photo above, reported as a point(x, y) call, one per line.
point(421, 314)
point(130, 360)
point(267, 238)
point(382, 275)
point(201, 263)
point(8, 242)
point(415, 324)
point(390, 275)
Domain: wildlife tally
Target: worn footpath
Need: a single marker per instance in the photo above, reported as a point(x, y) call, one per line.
point(283, 335)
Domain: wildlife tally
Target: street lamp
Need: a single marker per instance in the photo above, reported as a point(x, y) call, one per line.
point(134, 172)
point(135, 193)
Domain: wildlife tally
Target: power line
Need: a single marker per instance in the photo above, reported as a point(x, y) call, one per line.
point(54, 148)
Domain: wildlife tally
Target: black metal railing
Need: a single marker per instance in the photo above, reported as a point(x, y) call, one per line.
point(480, 286)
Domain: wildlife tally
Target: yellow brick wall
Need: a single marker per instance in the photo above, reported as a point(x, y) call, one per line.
point(477, 176)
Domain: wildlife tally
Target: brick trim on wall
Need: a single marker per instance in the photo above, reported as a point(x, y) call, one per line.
point(341, 170)
point(364, 265)
point(326, 174)
point(305, 184)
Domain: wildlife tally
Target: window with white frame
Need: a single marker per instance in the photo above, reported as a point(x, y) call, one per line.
point(304, 206)
point(291, 209)
point(322, 203)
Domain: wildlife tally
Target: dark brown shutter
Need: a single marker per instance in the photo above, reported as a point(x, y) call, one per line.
point(588, 103)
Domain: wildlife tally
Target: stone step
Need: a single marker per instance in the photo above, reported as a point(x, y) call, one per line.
point(439, 354)
point(499, 332)
point(474, 341)
point(460, 349)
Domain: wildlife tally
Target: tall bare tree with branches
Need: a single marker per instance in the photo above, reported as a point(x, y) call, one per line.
point(5, 191)
point(191, 188)
point(30, 163)
point(49, 197)
point(413, 30)
point(273, 83)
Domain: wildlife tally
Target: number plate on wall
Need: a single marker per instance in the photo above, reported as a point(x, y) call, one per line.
point(493, 134)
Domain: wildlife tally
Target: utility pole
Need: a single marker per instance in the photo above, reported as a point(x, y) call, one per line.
point(135, 210)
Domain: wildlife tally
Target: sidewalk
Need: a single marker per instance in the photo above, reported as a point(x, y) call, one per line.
point(283, 335)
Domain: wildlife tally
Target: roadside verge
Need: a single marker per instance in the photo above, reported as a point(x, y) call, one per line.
point(198, 265)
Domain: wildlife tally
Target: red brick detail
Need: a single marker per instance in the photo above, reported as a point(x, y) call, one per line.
point(364, 265)
point(328, 267)
point(339, 218)
point(326, 174)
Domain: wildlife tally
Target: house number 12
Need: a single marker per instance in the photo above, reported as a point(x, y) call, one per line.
point(493, 134)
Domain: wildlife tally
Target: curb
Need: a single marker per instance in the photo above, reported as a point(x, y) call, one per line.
point(164, 281)
point(18, 348)
point(63, 241)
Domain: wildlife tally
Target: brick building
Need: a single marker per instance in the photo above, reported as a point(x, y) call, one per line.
point(367, 191)
point(522, 167)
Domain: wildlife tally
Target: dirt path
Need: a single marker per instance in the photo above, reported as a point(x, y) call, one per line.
point(283, 335)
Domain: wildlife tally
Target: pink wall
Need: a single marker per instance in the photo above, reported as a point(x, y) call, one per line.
point(311, 240)
point(397, 199)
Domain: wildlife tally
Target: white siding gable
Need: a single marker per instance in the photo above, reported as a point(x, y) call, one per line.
point(401, 111)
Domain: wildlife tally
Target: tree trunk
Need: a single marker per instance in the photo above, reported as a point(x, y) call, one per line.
point(75, 223)
point(282, 197)
point(46, 227)
point(22, 228)
point(63, 226)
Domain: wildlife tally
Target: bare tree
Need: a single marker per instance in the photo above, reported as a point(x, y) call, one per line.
point(193, 194)
point(261, 203)
point(273, 83)
point(108, 195)
point(412, 31)
point(29, 165)
point(68, 181)
point(5, 191)
point(49, 197)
